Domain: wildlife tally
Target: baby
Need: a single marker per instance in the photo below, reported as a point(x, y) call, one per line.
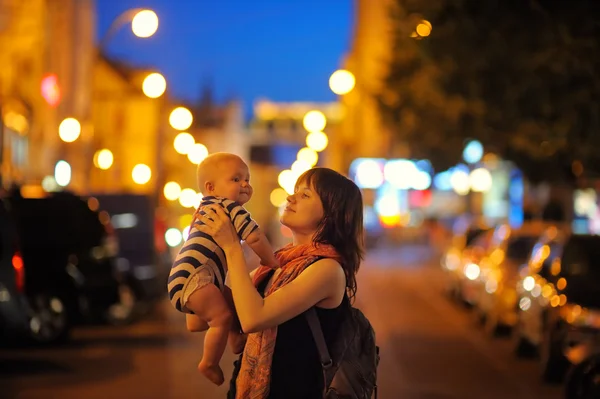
point(197, 280)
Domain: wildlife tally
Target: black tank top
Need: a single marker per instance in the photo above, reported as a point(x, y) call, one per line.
point(296, 371)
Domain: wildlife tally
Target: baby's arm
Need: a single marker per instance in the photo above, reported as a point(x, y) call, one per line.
point(261, 246)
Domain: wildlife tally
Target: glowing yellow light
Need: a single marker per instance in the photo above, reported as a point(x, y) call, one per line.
point(144, 23)
point(480, 180)
point(390, 220)
point(459, 180)
point(181, 118)
point(342, 82)
point(278, 197)
point(314, 121)
point(172, 190)
point(287, 180)
point(183, 143)
point(197, 153)
point(62, 173)
point(69, 130)
point(188, 198)
point(308, 155)
point(141, 173)
point(563, 300)
point(103, 159)
point(173, 237)
point(317, 141)
point(300, 166)
point(154, 85)
point(424, 28)
point(561, 284)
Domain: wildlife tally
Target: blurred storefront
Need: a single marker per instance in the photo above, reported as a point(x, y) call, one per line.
point(46, 52)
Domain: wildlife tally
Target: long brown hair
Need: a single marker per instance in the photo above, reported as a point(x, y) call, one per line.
point(342, 223)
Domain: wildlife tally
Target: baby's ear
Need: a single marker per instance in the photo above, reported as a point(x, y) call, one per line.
point(209, 187)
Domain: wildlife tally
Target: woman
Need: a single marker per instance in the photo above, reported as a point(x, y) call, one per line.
point(280, 360)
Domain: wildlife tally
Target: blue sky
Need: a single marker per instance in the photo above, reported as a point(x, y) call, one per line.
point(283, 50)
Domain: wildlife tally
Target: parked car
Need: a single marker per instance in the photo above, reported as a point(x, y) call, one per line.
point(496, 292)
point(14, 318)
point(68, 257)
point(559, 302)
point(583, 380)
point(143, 256)
point(466, 247)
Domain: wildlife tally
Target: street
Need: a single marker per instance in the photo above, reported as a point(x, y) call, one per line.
point(430, 348)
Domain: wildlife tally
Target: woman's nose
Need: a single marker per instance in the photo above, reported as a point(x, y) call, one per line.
point(291, 198)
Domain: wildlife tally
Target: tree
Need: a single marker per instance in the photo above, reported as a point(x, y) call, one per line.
point(519, 76)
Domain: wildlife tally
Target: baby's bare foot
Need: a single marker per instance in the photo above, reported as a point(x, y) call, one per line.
point(212, 372)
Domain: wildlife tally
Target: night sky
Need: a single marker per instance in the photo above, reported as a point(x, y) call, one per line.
point(281, 50)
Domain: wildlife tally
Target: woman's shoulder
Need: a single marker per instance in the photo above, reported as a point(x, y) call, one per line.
point(327, 268)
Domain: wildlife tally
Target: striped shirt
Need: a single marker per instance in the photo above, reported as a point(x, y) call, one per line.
point(200, 249)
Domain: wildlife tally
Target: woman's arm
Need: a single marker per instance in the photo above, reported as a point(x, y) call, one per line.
point(325, 279)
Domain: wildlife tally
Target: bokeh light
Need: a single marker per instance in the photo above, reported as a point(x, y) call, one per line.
point(141, 173)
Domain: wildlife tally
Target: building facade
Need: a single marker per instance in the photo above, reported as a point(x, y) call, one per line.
point(46, 53)
point(361, 133)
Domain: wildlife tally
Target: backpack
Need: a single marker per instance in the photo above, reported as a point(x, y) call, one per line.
point(350, 371)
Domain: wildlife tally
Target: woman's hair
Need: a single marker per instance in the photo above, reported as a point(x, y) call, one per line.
point(342, 223)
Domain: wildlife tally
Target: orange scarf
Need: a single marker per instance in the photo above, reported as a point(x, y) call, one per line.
point(254, 378)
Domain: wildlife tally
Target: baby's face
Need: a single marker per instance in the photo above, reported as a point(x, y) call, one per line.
point(233, 181)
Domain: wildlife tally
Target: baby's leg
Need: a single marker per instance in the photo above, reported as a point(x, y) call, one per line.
point(210, 305)
point(237, 339)
point(195, 324)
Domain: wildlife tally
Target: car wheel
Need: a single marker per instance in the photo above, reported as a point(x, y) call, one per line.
point(553, 363)
point(493, 327)
point(583, 381)
point(49, 321)
point(523, 347)
point(123, 311)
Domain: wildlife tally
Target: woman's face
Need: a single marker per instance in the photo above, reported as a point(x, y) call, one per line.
point(304, 210)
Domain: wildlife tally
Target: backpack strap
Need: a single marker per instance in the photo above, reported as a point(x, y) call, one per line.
point(317, 333)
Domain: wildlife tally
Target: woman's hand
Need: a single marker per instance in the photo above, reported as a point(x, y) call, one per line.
point(219, 226)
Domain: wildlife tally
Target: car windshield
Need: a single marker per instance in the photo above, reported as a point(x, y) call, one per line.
point(581, 268)
point(519, 248)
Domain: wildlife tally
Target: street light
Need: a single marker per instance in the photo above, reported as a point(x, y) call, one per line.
point(154, 85)
point(62, 173)
point(314, 121)
point(103, 159)
point(181, 118)
point(141, 173)
point(172, 191)
point(144, 24)
point(308, 155)
point(197, 153)
point(183, 143)
point(69, 130)
point(342, 82)
point(317, 141)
